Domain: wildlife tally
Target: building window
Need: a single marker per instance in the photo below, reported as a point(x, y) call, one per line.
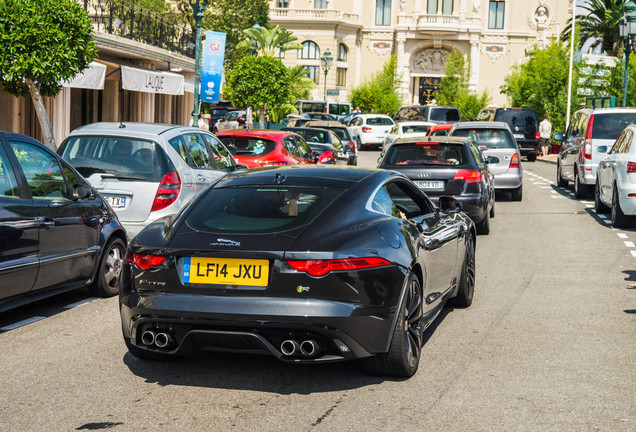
point(283, 4)
point(432, 7)
point(383, 12)
point(313, 72)
point(341, 77)
point(447, 7)
point(320, 4)
point(310, 51)
point(496, 15)
point(342, 52)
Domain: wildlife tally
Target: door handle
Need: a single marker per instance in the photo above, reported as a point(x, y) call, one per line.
point(201, 178)
point(47, 224)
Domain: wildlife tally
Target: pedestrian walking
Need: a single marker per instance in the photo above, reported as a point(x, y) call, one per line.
point(545, 132)
point(200, 121)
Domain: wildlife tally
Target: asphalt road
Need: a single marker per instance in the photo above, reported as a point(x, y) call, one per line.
point(549, 344)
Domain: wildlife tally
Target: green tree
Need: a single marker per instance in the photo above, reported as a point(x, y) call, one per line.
point(599, 21)
point(541, 83)
point(42, 43)
point(230, 17)
point(381, 92)
point(259, 82)
point(269, 42)
point(454, 89)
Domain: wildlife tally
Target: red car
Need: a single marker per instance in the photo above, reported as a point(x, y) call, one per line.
point(440, 129)
point(258, 147)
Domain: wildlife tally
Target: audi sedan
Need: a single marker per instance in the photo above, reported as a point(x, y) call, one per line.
point(308, 264)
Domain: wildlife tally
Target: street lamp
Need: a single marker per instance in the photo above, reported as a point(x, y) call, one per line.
point(627, 31)
point(198, 7)
point(325, 61)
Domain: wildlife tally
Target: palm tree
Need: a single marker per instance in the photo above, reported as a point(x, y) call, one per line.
point(269, 42)
point(601, 22)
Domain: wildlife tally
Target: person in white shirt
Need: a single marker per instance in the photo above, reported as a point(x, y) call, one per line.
point(545, 132)
point(200, 123)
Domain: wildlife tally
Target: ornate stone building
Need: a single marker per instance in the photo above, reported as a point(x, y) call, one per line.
point(363, 34)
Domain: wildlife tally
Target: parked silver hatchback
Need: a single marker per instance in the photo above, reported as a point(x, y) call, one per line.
point(146, 171)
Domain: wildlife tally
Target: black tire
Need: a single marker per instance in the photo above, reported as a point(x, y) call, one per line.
point(619, 219)
point(517, 194)
point(492, 210)
point(532, 157)
point(403, 357)
point(483, 227)
point(147, 355)
point(580, 190)
point(561, 182)
point(466, 288)
point(599, 207)
point(108, 274)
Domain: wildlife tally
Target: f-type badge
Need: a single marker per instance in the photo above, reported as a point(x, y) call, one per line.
point(302, 289)
point(225, 242)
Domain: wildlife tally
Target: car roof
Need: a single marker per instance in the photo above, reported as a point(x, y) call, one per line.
point(260, 133)
point(373, 115)
point(481, 125)
point(416, 123)
point(410, 139)
point(128, 128)
point(325, 123)
point(21, 137)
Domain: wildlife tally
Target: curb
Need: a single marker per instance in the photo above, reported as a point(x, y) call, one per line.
point(547, 159)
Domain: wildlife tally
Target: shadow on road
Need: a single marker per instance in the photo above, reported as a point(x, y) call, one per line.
point(260, 372)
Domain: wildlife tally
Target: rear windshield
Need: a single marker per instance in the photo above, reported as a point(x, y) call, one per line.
point(342, 133)
point(610, 125)
point(415, 129)
point(132, 158)
point(488, 138)
point(313, 136)
point(518, 119)
point(339, 109)
point(412, 113)
point(312, 106)
point(426, 154)
point(444, 114)
point(259, 209)
point(240, 146)
point(379, 121)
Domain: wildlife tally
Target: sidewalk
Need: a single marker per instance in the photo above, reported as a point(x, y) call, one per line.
point(551, 158)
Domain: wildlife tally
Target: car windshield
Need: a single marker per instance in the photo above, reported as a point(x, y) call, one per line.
point(248, 146)
point(259, 209)
point(519, 120)
point(313, 136)
point(610, 125)
point(444, 114)
point(426, 154)
point(412, 113)
point(411, 129)
point(123, 157)
point(488, 138)
point(342, 133)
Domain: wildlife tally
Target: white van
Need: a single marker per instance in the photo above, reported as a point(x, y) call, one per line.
point(338, 109)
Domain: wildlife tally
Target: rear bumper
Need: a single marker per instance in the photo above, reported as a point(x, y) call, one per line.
point(528, 147)
point(509, 180)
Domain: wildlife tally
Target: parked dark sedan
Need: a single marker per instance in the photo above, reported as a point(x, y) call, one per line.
point(324, 143)
point(447, 166)
point(309, 264)
point(56, 232)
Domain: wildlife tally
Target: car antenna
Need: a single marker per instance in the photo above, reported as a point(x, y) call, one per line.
point(280, 178)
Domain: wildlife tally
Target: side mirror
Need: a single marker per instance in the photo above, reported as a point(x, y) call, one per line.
point(558, 136)
point(448, 204)
point(355, 138)
point(240, 167)
point(81, 192)
point(347, 148)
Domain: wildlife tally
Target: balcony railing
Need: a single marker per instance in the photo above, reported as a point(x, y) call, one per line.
point(312, 14)
point(130, 21)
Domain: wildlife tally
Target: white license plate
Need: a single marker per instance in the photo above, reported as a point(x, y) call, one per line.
point(519, 136)
point(116, 202)
point(430, 184)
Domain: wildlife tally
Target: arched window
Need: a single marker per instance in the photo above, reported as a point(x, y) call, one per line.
point(310, 51)
point(342, 52)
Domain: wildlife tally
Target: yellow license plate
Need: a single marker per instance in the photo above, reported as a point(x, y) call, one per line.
point(225, 271)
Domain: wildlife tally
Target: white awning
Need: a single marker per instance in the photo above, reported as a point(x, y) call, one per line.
point(189, 86)
point(149, 81)
point(91, 78)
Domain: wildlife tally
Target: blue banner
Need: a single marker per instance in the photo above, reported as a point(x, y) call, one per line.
point(212, 66)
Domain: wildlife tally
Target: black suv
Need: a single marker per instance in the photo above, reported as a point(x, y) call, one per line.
point(523, 124)
point(429, 113)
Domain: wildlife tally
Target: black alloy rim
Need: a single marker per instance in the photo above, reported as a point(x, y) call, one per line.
point(614, 205)
point(470, 268)
point(413, 323)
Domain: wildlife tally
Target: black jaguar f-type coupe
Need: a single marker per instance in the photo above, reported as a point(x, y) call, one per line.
point(309, 264)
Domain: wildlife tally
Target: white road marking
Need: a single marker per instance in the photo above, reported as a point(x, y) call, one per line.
point(629, 244)
point(633, 253)
point(21, 323)
point(81, 302)
point(621, 235)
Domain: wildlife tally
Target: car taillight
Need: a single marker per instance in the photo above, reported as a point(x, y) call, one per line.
point(167, 192)
point(587, 146)
point(537, 135)
point(319, 268)
point(326, 157)
point(366, 129)
point(469, 176)
point(145, 261)
point(514, 161)
point(631, 167)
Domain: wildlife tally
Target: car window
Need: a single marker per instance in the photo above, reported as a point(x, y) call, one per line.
point(178, 144)
point(8, 181)
point(379, 121)
point(245, 146)
point(41, 170)
point(221, 155)
point(488, 138)
point(411, 129)
point(259, 209)
point(476, 153)
point(628, 141)
point(290, 145)
point(444, 114)
point(198, 151)
point(303, 147)
point(335, 141)
point(432, 154)
point(610, 125)
point(342, 133)
point(408, 201)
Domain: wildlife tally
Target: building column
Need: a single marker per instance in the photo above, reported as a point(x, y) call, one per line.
point(358, 58)
point(474, 63)
point(417, 5)
point(402, 68)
